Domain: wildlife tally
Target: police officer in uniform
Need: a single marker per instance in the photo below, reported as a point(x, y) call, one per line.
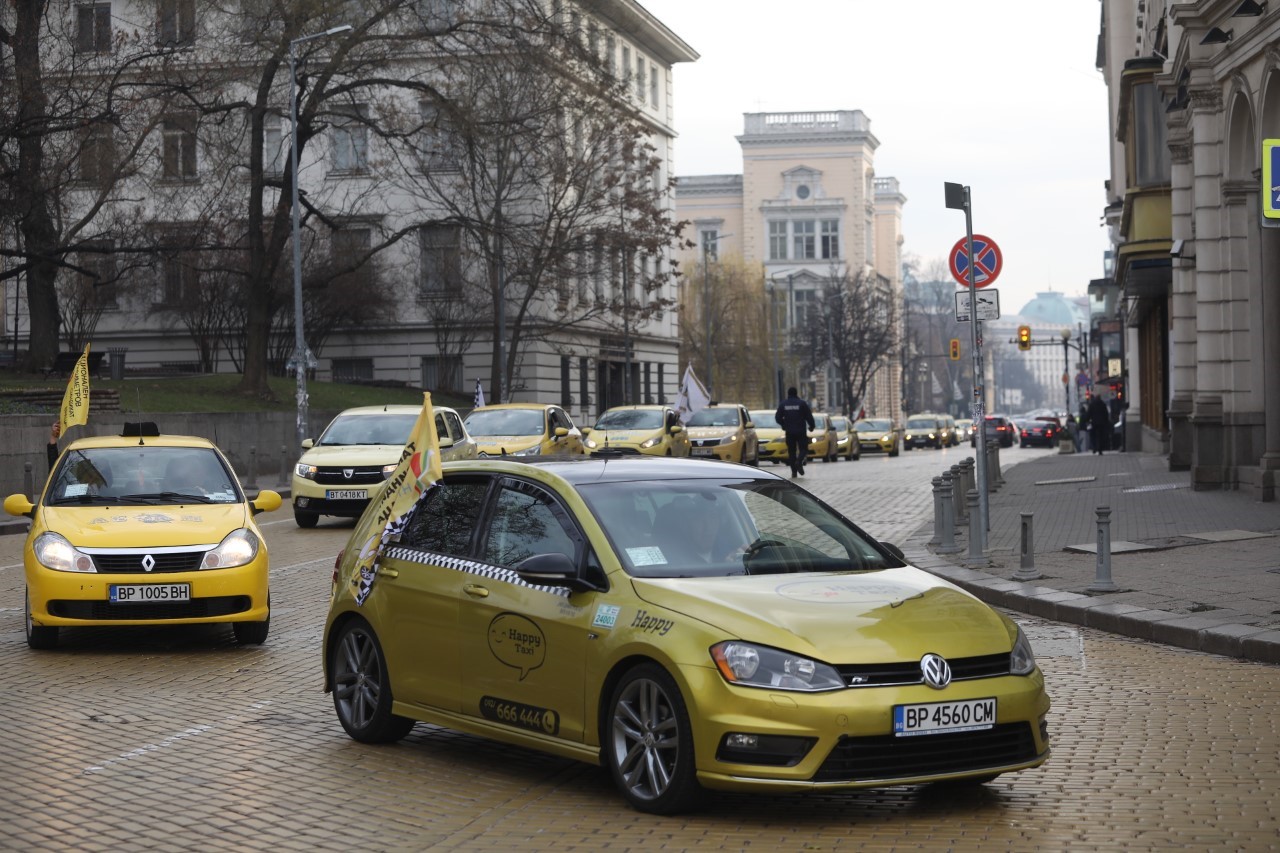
point(796, 419)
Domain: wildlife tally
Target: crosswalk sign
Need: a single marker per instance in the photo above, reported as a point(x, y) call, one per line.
point(1271, 179)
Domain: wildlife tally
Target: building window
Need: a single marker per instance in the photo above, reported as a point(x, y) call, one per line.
point(830, 239)
point(176, 23)
point(803, 243)
point(436, 14)
point(350, 247)
point(274, 152)
point(777, 241)
point(641, 79)
point(93, 28)
point(566, 397)
point(179, 277)
point(626, 64)
point(98, 277)
point(179, 148)
point(351, 369)
point(351, 140)
point(441, 259)
point(440, 148)
point(709, 238)
point(593, 37)
point(804, 308)
point(653, 84)
point(97, 155)
point(442, 372)
point(610, 54)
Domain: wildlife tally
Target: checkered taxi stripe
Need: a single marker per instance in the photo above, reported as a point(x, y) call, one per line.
point(470, 567)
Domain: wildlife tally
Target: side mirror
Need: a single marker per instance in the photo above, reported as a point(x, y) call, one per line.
point(307, 444)
point(586, 430)
point(554, 569)
point(677, 429)
point(750, 425)
point(266, 501)
point(894, 550)
point(560, 432)
point(19, 505)
point(444, 441)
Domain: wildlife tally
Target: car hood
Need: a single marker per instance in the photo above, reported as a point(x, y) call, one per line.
point(711, 432)
point(496, 444)
point(623, 436)
point(867, 617)
point(127, 526)
point(769, 433)
point(353, 454)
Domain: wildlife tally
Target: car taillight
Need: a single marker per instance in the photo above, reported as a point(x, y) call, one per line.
point(336, 563)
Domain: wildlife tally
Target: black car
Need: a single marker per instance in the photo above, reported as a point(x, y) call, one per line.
point(998, 428)
point(1041, 432)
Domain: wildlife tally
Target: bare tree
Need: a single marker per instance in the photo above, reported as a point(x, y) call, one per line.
point(858, 330)
point(732, 295)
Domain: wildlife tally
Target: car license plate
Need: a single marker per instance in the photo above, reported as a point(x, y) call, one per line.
point(346, 494)
point(933, 718)
point(703, 451)
point(148, 593)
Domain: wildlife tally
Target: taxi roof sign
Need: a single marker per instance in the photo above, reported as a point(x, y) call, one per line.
point(1271, 180)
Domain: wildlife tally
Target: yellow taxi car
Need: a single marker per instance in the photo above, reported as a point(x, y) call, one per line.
point(651, 430)
point(877, 435)
point(822, 438)
point(846, 439)
point(770, 439)
point(724, 431)
point(523, 429)
point(359, 449)
point(144, 529)
point(686, 624)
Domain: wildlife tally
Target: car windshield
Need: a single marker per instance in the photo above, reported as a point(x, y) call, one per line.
point(505, 422)
point(713, 417)
point(718, 528)
point(765, 419)
point(142, 474)
point(631, 419)
point(386, 428)
point(873, 426)
point(922, 423)
point(839, 424)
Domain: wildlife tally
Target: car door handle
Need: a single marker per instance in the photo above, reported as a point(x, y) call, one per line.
point(475, 590)
point(383, 571)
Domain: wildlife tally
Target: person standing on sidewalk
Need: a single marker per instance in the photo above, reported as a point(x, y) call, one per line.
point(51, 450)
point(1082, 428)
point(1099, 424)
point(796, 419)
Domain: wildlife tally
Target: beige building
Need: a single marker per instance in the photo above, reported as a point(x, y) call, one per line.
point(807, 206)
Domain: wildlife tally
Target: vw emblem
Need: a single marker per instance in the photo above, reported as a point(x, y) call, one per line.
point(347, 472)
point(148, 563)
point(936, 671)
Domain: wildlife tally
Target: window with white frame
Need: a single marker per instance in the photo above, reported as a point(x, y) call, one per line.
point(777, 240)
point(804, 307)
point(176, 23)
point(179, 274)
point(830, 239)
point(98, 272)
point(708, 238)
point(274, 152)
point(440, 149)
point(97, 155)
point(350, 249)
point(441, 259)
point(178, 149)
point(611, 54)
point(93, 28)
point(803, 242)
point(351, 140)
point(641, 78)
point(626, 64)
point(653, 84)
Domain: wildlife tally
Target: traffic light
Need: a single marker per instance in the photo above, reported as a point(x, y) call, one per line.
point(1024, 338)
point(955, 349)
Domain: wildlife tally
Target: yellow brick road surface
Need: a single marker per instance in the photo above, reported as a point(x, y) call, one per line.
point(177, 739)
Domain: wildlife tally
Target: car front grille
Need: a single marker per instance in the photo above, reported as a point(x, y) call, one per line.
point(360, 475)
point(857, 759)
point(908, 672)
point(105, 611)
point(134, 562)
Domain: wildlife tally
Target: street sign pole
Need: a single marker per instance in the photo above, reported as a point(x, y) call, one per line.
point(958, 197)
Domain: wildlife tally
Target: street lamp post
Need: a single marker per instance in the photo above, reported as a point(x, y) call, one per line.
point(301, 356)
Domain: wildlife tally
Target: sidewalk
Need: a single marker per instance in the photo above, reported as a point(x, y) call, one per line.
point(1200, 570)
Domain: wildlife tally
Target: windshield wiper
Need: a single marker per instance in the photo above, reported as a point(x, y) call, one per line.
point(175, 497)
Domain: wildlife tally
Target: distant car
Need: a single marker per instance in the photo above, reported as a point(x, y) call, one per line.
point(1040, 432)
point(998, 428)
point(144, 529)
point(877, 435)
point(338, 473)
point(647, 430)
point(726, 432)
point(846, 439)
point(523, 429)
point(922, 431)
point(964, 429)
point(822, 438)
point(771, 441)
point(683, 624)
point(946, 428)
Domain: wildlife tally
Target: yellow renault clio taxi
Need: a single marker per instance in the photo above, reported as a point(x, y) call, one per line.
point(523, 429)
point(144, 529)
point(649, 430)
point(686, 624)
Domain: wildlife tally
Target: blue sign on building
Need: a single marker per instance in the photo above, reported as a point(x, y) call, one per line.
point(1271, 179)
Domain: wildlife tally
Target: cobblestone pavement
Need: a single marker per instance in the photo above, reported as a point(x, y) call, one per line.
point(174, 739)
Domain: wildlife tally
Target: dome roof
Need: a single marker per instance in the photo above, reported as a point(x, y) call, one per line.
point(1054, 309)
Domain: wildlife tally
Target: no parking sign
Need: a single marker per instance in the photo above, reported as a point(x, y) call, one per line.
point(987, 261)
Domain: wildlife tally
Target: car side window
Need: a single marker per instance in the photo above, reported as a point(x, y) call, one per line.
point(444, 521)
point(527, 521)
point(455, 425)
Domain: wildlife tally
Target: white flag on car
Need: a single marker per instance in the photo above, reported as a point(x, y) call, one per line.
point(479, 394)
point(693, 397)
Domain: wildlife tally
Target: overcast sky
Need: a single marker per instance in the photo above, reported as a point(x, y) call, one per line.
point(1001, 95)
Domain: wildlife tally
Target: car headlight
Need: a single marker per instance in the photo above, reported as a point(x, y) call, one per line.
point(306, 472)
point(751, 665)
point(55, 552)
point(932, 435)
point(729, 439)
point(590, 442)
point(536, 450)
point(886, 437)
point(651, 442)
point(236, 549)
point(1021, 659)
point(388, 470)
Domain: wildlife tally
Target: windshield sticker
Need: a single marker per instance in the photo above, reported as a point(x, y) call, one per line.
point(648, 555)
point(840, 592)
point(75, 490)
point(606, 616)
point(652, 624)
point(517, 642)
point(520, 715)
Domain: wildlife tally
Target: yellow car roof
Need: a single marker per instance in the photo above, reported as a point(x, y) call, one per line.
point(391, 408)
point(161, 440)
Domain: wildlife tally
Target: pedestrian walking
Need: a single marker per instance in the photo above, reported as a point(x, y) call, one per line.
point(796, 419)
point(1082, 428)
point(1099, 425)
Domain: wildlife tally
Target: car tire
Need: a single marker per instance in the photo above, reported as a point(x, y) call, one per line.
point(253, 633)
point(648, 743)
point(39, 637)
point(306, 520)
point(362, 687)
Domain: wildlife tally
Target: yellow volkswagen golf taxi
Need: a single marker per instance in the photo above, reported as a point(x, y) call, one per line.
point(770, 439)
point(144, 529)
point(523, 429)
point(724, 431)
point(651, 430)
point(686, 624)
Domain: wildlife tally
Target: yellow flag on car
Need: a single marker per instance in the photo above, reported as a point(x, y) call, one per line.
point(418, 470)
point(75, 401)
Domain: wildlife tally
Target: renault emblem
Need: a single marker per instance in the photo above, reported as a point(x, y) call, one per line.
point(148, 563)
point(936, 671)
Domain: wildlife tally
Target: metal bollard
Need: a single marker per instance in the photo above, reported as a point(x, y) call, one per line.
point(28, 481)
point(996, 468)
point(957, 495)
point(937, 511)
point(1027, 565)
point(251, 477)
point(992, 478)
point(947, 545)
point(968, 467)
point(284, 465)
point(1102, 579)
point(975, 559)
